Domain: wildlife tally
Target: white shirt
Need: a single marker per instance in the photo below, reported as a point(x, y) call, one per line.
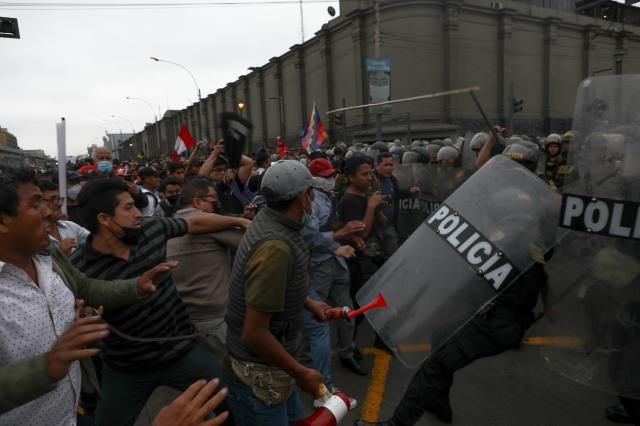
point(31, 319)
point(154, 200)
point(68, 229)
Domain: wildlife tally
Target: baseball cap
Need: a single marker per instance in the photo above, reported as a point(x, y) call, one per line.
point(321, 167)
point(146, 172)
point(285, 180)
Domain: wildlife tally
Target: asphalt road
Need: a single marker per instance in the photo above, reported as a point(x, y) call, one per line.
point(511, 389)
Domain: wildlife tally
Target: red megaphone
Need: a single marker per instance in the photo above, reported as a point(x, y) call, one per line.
point(334, 409)
point(378, 303)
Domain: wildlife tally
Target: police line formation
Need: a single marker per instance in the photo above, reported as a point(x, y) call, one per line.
point(265, 245)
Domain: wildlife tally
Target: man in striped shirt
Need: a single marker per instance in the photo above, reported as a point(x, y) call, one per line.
point(123, 245)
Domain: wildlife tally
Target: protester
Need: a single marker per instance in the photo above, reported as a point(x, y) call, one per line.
point(204, 277)
point(266, 301)
point(39, 372)
point(329, 271)
point(176, 170)
point(357, 205)
point(234, 193)
point(389, 188)
point(150, 182)
point(120, 246)
point(63, 233)
point(104, 161)
point(169, 192)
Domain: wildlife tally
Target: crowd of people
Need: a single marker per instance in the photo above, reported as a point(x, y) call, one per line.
point(197, 275)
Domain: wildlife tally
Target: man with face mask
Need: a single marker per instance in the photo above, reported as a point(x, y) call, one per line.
point(169, 192)
point(104, 161)
point(121, 244)
point(205, 264)
point(265, 312)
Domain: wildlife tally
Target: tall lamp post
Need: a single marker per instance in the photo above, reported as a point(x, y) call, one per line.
point(201, 128)
point(155, 118)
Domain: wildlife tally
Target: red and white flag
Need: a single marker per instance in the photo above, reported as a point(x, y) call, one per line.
point(184, 141)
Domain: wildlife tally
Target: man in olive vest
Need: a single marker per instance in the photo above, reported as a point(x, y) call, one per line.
point(268, 293)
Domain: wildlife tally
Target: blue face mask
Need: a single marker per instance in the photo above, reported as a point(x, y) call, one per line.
point(105, 166)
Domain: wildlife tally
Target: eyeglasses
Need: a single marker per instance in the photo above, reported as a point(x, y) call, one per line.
point(55, 199)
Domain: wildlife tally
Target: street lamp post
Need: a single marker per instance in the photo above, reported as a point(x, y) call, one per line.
point(155, 117)
point(201, 128)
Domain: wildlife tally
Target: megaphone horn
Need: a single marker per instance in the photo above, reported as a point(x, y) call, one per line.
point(379, 302)
point(334, 409)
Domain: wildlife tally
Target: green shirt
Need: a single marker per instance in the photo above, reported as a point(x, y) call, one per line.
point(267, 273)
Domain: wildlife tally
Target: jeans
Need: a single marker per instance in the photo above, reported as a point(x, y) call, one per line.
point(124, 393)
point(248, 410)
point(319, 336)
point(331, 282)
point(216, 334)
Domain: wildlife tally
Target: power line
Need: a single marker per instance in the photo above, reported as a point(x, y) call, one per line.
point(138, 5)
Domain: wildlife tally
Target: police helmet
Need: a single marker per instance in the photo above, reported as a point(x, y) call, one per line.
point(448, 154)
point(478, 141)
point(553, 138)
point(522, 153)
point(410, 157)
point(380, 146)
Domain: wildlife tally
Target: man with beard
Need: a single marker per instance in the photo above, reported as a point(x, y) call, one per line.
point(120, 246)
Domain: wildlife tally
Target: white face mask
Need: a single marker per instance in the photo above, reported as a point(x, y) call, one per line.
point(304, 161)
point(325, 184)
point(73, 191)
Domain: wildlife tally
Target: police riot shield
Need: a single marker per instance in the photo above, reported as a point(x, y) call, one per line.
point(476, 243)
point(422, 188)
point(595, 274)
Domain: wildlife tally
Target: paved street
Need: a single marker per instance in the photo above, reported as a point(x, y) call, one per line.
point(511, 389)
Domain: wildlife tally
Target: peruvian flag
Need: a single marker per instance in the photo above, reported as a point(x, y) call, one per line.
point(184, 141)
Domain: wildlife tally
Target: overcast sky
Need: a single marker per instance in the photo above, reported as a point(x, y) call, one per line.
point(81, 64)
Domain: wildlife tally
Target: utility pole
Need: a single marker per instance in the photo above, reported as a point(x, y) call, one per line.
point(302, 21)
point(376, 46)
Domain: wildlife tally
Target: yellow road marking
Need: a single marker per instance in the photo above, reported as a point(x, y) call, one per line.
point(375, 391)
point(560, 341)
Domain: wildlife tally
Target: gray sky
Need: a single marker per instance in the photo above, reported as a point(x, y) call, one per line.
point(81, 64)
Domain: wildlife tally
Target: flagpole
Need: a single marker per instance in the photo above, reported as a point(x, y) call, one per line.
point(415, 98)
point(61, 132)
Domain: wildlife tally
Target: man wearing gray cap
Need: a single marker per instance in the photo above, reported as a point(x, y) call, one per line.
point(270, 282)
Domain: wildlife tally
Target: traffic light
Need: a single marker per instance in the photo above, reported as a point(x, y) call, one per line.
point(338, 119)
point(518, 105)
point(9, 28)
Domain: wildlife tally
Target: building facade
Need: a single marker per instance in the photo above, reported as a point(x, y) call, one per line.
point(536, 51)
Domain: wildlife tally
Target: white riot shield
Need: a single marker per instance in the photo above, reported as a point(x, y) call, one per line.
point(487, 233)
point(595, 275)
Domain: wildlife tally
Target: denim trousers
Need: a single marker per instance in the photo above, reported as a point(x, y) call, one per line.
point(248, 410)
point(332, 283)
